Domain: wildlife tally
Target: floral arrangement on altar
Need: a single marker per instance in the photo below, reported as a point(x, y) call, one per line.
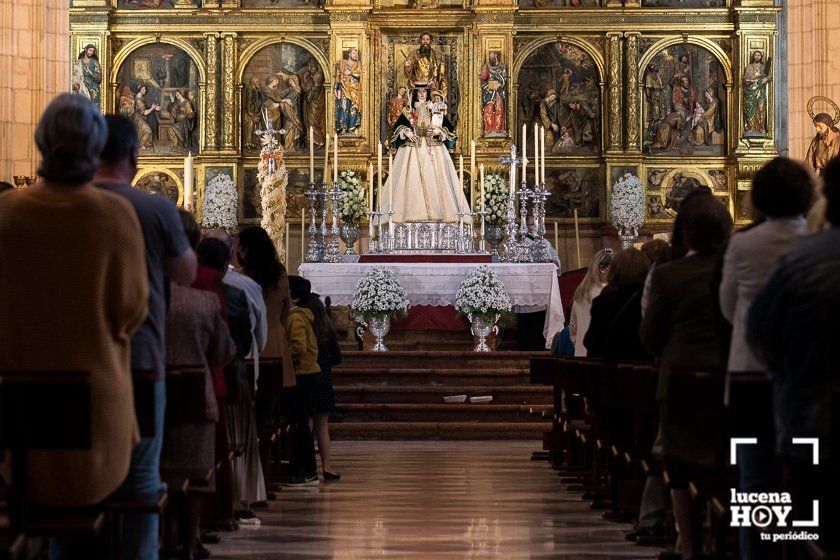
point(379, 295)
point(273, 178)
point(627, 205)
point(353, 202)
point(482, 294)
point(221, 203)
point(495, 199)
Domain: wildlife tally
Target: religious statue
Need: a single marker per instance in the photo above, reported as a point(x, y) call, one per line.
point(655, 94)
point(311, 79)
point(140, 117)
point(423, 185)
point(493, 97)
point(756, 78)
point(548, 118)
point(87, 75)
point(183, 115)
point(348, 93)
point(252, 121)
point(425, 67)
point(826, 143)
point(397, 105)
point(281, 102)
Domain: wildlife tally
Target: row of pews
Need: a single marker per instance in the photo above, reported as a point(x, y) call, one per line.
point(51, 411)
point(604, 428)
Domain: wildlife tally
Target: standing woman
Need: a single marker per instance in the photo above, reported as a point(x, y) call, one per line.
point(589, 289)
point(329, 354)
point(259, 261)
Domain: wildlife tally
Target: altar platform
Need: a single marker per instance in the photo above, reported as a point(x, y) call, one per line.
point(531, 286)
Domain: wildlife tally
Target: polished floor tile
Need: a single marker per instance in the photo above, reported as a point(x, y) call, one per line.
point(432, 501)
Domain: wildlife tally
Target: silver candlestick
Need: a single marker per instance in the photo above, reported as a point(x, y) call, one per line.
point(314, 249)
point(332, 250)
point(512, 245)
point(539, 249)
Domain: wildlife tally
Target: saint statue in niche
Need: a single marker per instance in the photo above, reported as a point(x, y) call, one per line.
point(425, 67)
point(756, 78)
point(493, 95)
point(87, 75)
point(825, 145)
point(183, 122)
point(424, 186)
point(397, 105)
point(348, 93)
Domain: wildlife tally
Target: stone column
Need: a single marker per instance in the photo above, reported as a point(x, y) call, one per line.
point(614, 87)
point(210, 92)
point(229, 113)
point(632, 124)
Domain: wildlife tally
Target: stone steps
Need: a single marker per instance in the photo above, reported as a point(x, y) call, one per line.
point(439, 430)
point(441, 359)
point(512, 394)
point(424, 412)
point(371, 376)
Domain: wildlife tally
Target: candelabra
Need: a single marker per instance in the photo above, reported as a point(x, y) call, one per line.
point(482, 243)
point(512, 252)
point(314, 249)
point(539, 250)
point(332, 251)
point(375, 243)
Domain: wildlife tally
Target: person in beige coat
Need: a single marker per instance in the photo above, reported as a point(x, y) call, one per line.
point(73, 279)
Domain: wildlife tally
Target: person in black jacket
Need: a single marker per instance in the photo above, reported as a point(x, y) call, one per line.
point(613, 333)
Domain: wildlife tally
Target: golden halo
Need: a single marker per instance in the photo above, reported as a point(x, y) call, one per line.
point(827, 100)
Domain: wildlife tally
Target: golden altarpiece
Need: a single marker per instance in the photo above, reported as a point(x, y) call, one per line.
point(680, 93)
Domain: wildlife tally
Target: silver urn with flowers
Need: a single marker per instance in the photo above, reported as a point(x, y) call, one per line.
point(495, 208)
point(377, 298)
point(352, 209)
point(482, 297)
point(627, 208)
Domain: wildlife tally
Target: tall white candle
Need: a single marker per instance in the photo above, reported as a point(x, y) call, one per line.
point(335, 159)
point(513, 170)
point(302, 232)
point(542, 154)
point(188, 182)
point(537, 155)
point(370, 200)
point(326, 159)
point(311, 155)
point(483, 203)
point(379, 170)
point(461, 187)
point(524, 152)
point(472, 173)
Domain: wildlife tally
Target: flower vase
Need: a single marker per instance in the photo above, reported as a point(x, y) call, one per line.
point(482, 326)
point(628, 237)
point(494, 235)
point(379, 327)
point(349, 233)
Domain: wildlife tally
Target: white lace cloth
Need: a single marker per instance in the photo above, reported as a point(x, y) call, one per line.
point(531, 287)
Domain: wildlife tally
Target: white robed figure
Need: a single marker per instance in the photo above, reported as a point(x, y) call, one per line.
point(423, 183)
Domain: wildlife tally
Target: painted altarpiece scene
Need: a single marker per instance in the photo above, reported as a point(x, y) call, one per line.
point(559, 90)
point(158, 90)
point(283, 88)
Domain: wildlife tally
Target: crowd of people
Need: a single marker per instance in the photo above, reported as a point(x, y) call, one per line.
point(103, 278)
point(759, 301)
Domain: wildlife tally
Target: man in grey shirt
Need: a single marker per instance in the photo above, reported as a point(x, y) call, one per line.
point(168, 257)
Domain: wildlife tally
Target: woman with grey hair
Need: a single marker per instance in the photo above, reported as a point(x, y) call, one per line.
point(75, 290)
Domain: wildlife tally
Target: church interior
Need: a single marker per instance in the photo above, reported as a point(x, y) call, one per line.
point(419, 279)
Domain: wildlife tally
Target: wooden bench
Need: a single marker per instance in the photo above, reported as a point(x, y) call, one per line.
point(45, 410)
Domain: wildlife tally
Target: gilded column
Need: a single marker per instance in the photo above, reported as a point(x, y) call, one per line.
point(210, 95)
point(228, 91)
point(614, 85)
point(631, 121)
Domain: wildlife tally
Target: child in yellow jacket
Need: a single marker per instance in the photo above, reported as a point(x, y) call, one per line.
point(304, 349)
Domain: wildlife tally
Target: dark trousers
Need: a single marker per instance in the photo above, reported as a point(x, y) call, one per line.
point(302, 461)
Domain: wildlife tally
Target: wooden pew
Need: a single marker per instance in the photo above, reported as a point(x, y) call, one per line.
point(46, 410)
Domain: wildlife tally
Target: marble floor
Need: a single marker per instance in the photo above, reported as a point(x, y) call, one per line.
point(432, 500)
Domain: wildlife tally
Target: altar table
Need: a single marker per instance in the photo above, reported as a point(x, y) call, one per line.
point(531, 287)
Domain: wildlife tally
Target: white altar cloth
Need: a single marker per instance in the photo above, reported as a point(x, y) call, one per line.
point(531, 287)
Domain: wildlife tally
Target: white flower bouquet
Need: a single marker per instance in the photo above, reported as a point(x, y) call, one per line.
point(482, 294)
point(353, 201)
point(627, 204)
point(378, 294)
point(495, 199)
point(220, 206)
